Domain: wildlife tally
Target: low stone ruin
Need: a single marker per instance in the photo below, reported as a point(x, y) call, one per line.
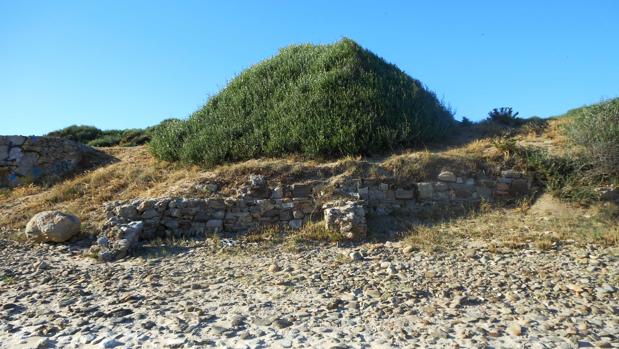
point(259, 204)
point(118, 241)
point(47, 160)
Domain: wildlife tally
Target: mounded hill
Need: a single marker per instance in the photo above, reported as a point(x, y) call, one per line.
point(313, 100)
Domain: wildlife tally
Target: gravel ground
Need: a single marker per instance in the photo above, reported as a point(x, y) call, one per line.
point(372, 296)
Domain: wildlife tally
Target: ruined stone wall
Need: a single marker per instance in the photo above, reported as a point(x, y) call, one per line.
point(43, 159)
point(167, 217)
point(259, 204)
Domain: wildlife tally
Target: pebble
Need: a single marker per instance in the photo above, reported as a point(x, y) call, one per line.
point(310, 298)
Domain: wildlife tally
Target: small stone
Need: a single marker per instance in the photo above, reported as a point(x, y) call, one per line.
point(602, 344)
point(514, 329)
point(334, 304)
point(274, 268)
point(111, 343)
point(408, 249)
point(175, 342)
point(285, 343)
point(282, 323)
point(356, 256)
point(447, 176)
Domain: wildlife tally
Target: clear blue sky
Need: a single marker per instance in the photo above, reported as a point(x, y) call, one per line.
point(123, 64)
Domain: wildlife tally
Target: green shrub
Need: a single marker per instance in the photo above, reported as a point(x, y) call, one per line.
point(505, 116)
point(78, 133)
point(595, 130)
point(167, 139)
point(107, 138)
point(314, 100)
point(466, 122)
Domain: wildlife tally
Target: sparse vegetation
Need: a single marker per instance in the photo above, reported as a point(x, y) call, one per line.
point(543, 225)
point(95, 137)
point(591, 161)
point(314, 100)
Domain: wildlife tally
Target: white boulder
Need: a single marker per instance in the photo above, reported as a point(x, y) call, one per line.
point(52, 226)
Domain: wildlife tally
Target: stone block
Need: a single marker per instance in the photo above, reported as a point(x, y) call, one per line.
point(150, 213)
point(347, 218)
point(425, 190)
point(214, 226)
point(519, 187)
point(16, 140)
point(440, 186)
point(127, 212)
point(285, 215)
point(404, 194)
point(277, 193)
point(301, 190)
point(511, 174)
point(447, 176)
point(296, 223)
point(376, 194)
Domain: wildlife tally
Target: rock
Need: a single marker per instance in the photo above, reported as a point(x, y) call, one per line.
point(103, 241)
point(356, 256)
point(602, 344)
point(347, 218)
point(296, 223)
point(111, 343)
point(425, 190)
point(128, 212)
point(301, 190)
point(511, 174)
point(214, 225)
point(175, 342)
point(274, 268)
point(447, 176)
point(44, 159)
point(408, 249)
point(514, 329)
point(122, 239)
point(404, 194)
point(52, 226)
point(282, 323)
point(277, 193)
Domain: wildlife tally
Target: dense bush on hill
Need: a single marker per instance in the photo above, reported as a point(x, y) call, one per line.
point(313, 100)
point(595, 130)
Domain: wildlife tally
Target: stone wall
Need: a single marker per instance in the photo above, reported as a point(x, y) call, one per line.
point(43, 159)
point(259, 204)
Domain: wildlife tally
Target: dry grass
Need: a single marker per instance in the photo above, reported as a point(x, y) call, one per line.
point(524, 225)
point(137, 174)
point(310, 233)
